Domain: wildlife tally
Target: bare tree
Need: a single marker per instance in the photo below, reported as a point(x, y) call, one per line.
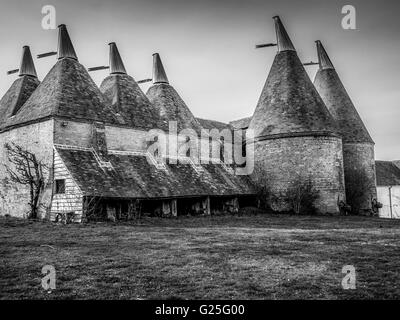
point(26, 169)
point(302, 196)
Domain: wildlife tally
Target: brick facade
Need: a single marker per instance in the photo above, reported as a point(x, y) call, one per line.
point(37, 138)
point(318, 158)
point(358, 159)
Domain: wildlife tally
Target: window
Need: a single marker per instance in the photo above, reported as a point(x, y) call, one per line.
point(60, 186)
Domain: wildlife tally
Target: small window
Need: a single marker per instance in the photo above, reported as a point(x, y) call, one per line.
point(60, 186)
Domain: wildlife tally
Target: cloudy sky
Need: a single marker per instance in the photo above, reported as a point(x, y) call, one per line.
point(207, 47)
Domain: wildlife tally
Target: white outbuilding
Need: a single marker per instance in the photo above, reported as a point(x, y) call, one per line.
point(388, 188)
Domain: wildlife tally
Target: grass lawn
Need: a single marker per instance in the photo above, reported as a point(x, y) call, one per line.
point(247, 257)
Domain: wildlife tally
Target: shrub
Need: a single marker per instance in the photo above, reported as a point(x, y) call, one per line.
point(262, 186)
point(302, 196)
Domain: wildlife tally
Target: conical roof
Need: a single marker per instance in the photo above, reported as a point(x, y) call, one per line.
point(282, 38)
point(323, 58)
point(65, 47)
point(125, 98)
point(338, 102)
point(67, 92)
point(20, 90)
point(167, 101)
point(27, 67)
point(116, 64)
point(289, 104)
point(159, 75)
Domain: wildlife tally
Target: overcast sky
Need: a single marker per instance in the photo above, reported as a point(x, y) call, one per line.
point(207, 48)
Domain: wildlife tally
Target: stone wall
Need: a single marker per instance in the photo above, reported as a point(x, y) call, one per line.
point(72, 133)
point(37, 138)
point(286, 159)
point(359, 159)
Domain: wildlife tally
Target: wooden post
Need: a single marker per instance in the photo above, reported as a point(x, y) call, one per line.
point(111, 213)
point(174, 207)
point(206, 206)
point(166, 207)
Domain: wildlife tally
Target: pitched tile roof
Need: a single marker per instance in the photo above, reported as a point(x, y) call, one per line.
point(134, 177)
point(289, 103)
point(171, 107)
point(167, 101)
point(212, 124)
point(67, 91)
point(338, 102)
point(16, 96)
point(129, 104)
point(241, 123)
point(397, 163)
point(387, 173)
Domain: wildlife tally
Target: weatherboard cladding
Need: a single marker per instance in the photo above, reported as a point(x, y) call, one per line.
point(289, 103)
point(133, 176)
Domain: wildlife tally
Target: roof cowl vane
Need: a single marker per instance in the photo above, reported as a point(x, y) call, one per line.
point(65, 47)
point(116, 64)
point(27, 68)
point(323, 58)
point(284, 42)
point(159, 75)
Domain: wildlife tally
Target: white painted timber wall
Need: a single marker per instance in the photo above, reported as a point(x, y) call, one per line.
point(384, 196)
point(72, 199)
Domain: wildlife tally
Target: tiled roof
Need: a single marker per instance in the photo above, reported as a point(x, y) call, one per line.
point(338, 102)
point(212, 124)
point(16, 96)
point(133, 176)
point(67, 91)
point(129, 104)
point(397, 163)
point(289, 103)
point(387, 173)
point(241, 123)
point(171, 106)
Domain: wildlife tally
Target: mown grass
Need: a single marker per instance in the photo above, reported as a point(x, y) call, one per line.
point(248, 257)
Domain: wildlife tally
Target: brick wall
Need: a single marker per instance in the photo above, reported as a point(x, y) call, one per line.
point(37, 138)
point(360, 156)
point(318, 158)
point(125, 139)
point(72, 133)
